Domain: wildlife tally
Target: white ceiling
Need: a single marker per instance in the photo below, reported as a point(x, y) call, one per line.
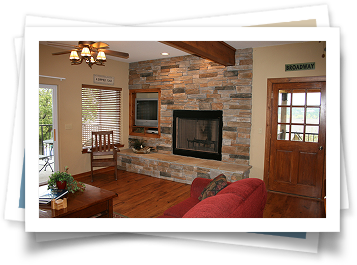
point(150, 50)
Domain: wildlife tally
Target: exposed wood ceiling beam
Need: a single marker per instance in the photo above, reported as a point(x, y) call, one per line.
point(217, 51)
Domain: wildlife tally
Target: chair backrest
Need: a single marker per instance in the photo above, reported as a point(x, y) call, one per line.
point(102, 142)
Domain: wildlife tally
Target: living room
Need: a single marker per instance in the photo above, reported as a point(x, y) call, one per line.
point(185, 82)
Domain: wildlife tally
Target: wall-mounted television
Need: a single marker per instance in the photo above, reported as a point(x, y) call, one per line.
point(146, 112)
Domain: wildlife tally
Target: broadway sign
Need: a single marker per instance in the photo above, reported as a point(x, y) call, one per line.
point(299, 66)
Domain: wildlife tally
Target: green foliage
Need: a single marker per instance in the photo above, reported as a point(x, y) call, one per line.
point(45, 112)
point(72, 185)
point(45, 105)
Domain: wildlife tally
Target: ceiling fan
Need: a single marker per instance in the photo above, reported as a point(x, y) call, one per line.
point(91, 52)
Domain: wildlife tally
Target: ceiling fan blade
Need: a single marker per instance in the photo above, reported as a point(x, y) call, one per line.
point(60, 53)
point(123, 55)
point(58, 44)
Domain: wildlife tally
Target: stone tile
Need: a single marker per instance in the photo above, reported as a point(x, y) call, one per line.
point(233, 167)
point(211, 164)
point(184, 159)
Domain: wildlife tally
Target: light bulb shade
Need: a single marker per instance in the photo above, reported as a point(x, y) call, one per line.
point(92, 60)
point(74, 55)
point(85, 52)
point(101, 56)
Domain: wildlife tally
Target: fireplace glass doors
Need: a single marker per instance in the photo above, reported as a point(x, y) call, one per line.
point(197, 133)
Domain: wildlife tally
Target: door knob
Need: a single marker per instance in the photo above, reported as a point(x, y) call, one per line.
point(321, 147)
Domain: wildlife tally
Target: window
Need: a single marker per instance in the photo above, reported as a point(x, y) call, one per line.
point(304, 106)
point(100, 112)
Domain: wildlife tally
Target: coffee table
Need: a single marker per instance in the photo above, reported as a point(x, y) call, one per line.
point(92, 202)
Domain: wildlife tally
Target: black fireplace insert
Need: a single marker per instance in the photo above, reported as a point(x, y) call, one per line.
point(198, 133)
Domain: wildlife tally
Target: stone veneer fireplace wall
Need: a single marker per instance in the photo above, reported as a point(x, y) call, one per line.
point(193, 83)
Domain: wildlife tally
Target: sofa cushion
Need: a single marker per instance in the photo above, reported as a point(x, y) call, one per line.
point(243, 188)
point(215, 186)
point(181, 208)
point(220, 206)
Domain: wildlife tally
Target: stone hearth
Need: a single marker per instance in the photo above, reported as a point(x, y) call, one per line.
point(179, 168)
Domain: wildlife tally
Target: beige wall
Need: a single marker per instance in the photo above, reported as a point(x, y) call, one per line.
point(69, 102)
point(269, 62)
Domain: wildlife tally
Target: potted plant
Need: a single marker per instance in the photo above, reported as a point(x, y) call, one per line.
point(64, 180)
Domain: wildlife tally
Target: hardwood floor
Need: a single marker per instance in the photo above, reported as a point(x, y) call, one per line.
point(141, 196)
point(281, 205)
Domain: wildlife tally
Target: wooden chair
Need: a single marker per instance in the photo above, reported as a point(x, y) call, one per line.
point(103, 145)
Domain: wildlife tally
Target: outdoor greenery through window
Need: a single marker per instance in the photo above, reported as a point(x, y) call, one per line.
point(100, 112)
point(45, 116)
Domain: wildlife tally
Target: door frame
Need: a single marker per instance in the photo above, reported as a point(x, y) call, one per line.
point(268, 132)
point(55, 122)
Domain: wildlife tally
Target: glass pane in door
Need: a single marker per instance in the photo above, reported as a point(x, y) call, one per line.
point(284, 114)
point(297, 133)
point(312, 134)
point(298, 97)
point(284, 97)
point(312, 115)
point(283, 132)
point(313, 98)
point(297, 115)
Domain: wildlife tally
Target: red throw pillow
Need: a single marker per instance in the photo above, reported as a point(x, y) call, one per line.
point(216, 185)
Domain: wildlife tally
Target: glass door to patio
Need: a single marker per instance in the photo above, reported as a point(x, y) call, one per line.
point(48, 151)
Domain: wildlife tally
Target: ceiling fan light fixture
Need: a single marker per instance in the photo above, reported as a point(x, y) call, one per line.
point(85, 52)
point(74, 56)
point(92, 53)
point(101, 56)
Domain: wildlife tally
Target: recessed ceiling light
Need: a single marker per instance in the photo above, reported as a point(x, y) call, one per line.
point(165, 53)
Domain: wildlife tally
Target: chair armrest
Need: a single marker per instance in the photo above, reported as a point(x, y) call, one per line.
point(197, 186)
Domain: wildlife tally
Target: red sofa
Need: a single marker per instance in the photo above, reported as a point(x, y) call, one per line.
point(245, 198)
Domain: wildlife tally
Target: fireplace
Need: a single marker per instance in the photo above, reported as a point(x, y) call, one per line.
point(197, 133)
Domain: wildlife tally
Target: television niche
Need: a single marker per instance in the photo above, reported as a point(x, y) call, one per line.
point(144, 112)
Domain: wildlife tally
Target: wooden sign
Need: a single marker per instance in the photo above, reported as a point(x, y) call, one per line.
point(105, 80)
point(299, 66)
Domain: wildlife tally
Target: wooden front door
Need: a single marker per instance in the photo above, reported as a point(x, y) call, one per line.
point(295, 139)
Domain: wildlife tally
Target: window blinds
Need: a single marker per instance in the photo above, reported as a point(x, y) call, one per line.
point(100, 111)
